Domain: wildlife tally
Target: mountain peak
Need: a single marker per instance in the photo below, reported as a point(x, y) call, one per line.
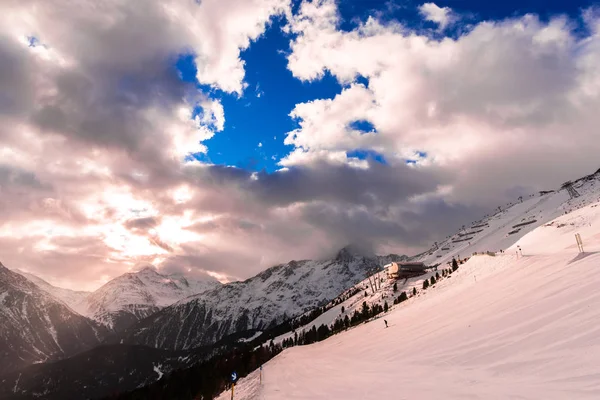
point(353, 251)
point(145, 268)
point(148, 270)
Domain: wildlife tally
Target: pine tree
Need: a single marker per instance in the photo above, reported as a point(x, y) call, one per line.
point(343, 309)
point(437, 276)
point(402, 297)
point(414, 291)
point(432, 280)
point(425, 284)
point(454, 264)
point(365, 309)
point(385, 307)
point(395, 287)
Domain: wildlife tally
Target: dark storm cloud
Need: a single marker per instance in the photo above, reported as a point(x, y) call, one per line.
point(313, 212)
point(19, 177)
point(142, 223)
point(379, 184)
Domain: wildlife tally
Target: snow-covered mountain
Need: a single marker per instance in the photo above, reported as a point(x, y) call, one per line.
point(36, 327)
point(133, 296)
point(72, 298)
point(511, 222)
point(274, 295)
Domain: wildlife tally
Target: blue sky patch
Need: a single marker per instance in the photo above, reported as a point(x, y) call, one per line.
point(257, 122)
point(362, 154)
point(362, 126)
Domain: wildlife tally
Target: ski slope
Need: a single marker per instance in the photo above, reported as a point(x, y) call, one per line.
point(509, 326)
point(501, 230)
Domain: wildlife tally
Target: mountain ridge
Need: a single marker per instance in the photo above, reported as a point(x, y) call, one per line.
point(270, 297)
point(36, 327)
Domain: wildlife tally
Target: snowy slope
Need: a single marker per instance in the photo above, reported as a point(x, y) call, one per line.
point(72, 298)
point(381, 295)
point(35, 327)
point(274, 295)
point(500, 327)
point(134, 296)
point(500, 231)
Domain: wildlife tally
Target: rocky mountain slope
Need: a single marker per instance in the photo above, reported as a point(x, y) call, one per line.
point(134, 296)
point(274, 295)
point(102, 371)
point(35, 327)
point(72, 298)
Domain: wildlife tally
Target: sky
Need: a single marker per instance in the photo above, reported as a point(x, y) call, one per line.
point(222, 137)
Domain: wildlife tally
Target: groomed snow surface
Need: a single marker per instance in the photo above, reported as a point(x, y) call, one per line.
point(504, 327)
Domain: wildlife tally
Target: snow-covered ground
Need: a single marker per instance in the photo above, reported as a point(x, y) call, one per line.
point(500, 230)
point(500, 327)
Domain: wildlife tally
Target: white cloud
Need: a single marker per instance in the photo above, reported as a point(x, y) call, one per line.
point(95, 107)
point(324, 124)
point(97, 123)
point(442, 16)
point(497, 100)
point(300, 157)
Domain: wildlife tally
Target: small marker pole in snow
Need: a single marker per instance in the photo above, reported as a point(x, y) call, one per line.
point(579, 242)
point(261, 374)
point(233, 379)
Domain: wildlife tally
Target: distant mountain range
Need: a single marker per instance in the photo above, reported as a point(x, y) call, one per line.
point(267, 299)
point(128, 298)
point(36, 327)
point(131, 297)
point(72, 298)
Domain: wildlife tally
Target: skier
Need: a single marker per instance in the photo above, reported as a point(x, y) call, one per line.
point(386, 325)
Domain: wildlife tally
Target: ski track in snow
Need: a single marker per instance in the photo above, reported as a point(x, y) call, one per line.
point(526, 329)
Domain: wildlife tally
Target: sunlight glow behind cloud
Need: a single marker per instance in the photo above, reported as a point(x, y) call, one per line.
point(105, 157)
